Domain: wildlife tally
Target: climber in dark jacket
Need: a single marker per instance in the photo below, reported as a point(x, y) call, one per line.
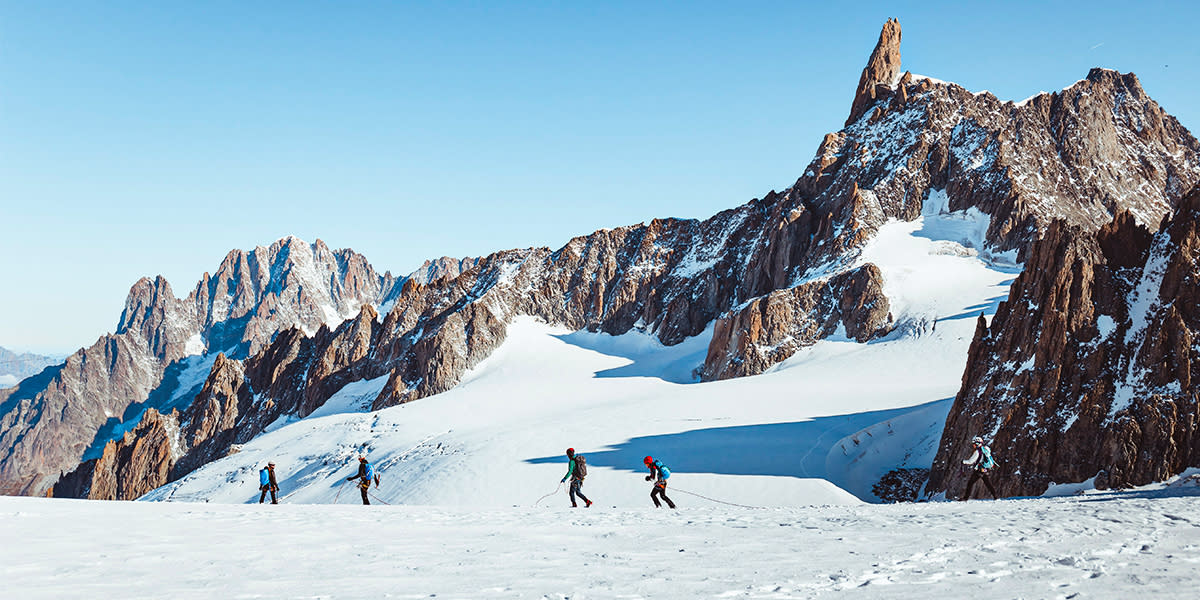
point(366, 473)
point(660, 473)
point(576, 473)
point(267, 483)
point(981, 462)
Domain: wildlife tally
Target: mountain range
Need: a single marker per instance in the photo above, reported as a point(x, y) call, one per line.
point(1086, 192)
point(15, 366)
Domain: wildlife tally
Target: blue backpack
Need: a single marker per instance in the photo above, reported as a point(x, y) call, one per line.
point(264, 478)
point(370, 472)
point(987, 462)
point(663, 472)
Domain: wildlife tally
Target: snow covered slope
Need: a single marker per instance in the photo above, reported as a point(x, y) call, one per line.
point(820, 428)
point(1112, 545)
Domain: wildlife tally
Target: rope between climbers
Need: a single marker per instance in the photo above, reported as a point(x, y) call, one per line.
point(719, 501)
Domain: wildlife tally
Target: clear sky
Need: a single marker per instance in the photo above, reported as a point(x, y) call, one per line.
point(152, 138)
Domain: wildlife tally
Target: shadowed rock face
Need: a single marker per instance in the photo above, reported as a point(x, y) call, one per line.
point(775, 273)
point(1086, 371)
point(238, 401)
point(129, 467)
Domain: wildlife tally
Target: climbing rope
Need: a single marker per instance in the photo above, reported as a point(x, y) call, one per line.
point(379, 499)
point(560, 484)
point(339, 494)
point(718, 501)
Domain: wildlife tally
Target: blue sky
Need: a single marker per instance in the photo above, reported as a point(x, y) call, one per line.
point(144, 139)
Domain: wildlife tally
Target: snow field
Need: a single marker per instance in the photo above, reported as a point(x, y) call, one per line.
point(1095, 546)
point(820, 428)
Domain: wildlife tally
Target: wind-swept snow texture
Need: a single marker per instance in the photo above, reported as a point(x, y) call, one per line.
point(1139, 544)
point(820, 428)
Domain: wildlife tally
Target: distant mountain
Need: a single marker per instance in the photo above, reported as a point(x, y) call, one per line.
point(50, 421)
point(769, 277)
point(15, 367)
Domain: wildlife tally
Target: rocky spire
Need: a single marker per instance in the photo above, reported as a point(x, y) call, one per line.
point(882, 70)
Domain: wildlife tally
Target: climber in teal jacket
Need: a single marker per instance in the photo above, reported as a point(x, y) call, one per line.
point(576, 471)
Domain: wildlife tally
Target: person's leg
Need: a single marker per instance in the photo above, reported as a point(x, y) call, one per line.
point(273, 499)
point(573, 491)
point(988, 483)
point(578, 487)
point(654, 496)
point(663, 493)
point(262, 496)
point(971, 484)
point(364, 494)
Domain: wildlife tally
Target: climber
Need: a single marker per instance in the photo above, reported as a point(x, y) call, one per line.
point(267, 483)
point(981, 462)
point(576, 470)
point(366, 474)
point(662, 473)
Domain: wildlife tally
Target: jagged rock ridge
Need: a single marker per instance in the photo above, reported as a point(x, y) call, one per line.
point(1086, 371)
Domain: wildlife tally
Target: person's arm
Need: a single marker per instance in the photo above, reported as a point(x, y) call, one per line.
point(274, 482)
point(570, 470)
point(974, 458)
point(362, 472)
point(653, 472)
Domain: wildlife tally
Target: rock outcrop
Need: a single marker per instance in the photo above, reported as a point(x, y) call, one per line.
point(773, 327)
point(1086, 371)
point(879, 77)
point(776, 273)
point(129, 467)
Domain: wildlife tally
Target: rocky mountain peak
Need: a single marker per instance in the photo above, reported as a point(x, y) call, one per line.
point(881, 72)
point(166, 324)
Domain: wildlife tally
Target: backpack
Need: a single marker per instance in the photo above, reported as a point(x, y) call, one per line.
point(580, 466)
point(370, 472)
point(663, 472)
point(987, 462)
point(264, 478)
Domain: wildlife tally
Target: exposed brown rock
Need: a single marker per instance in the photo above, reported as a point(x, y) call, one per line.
point(881, 72)
point(771, 328)
point(129, 467)
point(1086, 371)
